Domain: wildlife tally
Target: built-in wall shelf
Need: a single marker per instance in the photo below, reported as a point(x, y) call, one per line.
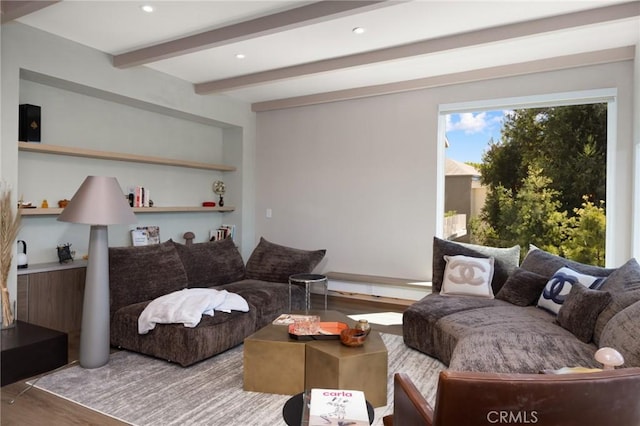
point(117, 156)
point(57, 211)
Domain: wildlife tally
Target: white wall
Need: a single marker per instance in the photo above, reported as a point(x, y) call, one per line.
point(359, 177)
point(142, 120)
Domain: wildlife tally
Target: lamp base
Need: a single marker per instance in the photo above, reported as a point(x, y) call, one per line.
point(94, 335)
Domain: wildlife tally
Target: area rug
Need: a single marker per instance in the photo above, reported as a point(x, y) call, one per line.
point(141, 390)
point(383, 318)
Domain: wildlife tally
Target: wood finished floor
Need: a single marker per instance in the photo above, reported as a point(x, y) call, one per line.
point(36, 407)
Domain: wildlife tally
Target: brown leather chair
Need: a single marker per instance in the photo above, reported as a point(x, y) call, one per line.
point(464, 398)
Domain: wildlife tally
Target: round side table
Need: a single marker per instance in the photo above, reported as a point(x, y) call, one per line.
point(292, 410)
point(308, 280)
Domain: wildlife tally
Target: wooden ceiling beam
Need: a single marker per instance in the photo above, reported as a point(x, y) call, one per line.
point(11, 10)
point(424, 47)
point(271, 24)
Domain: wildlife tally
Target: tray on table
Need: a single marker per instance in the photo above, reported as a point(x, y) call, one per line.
point(327, 331)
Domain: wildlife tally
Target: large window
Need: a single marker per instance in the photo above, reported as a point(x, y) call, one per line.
point(540, 176)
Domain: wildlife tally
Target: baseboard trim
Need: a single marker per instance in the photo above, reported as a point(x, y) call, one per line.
point(370, 298)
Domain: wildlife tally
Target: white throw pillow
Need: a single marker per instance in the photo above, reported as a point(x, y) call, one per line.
point(559, 286)
point(468, 276)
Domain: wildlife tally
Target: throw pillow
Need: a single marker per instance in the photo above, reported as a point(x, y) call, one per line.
point(468, 276)
point(522, 288)
point(580, 311)
point(557, 288)
point(275, 263)
point(624, 286)
point(505, 260)
point(546, 264)
point(621, 333)
point(212, 263)
point(141, 273)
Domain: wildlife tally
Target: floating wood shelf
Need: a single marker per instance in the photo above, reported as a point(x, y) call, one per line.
point(117, 156)
point(57, 211)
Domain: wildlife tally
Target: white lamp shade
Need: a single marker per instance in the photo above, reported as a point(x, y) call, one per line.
point(98, 201)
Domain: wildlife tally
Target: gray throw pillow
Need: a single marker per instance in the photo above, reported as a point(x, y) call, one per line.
point(275, 263)
point(212, 263)
point(141, 273)
point(506, 260)
point(624, 286)
point(546, 264)
point(621, 333)
point(580, 311)
point(522, 288)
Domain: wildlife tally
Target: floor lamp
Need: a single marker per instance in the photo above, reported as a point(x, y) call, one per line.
point(98, 202)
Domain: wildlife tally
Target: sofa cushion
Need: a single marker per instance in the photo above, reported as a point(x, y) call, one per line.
point(624, 286)
point(546, 264)
point(275, 263)
point(136, 274)
point(521, 352)
point(505, 260)
point(522, 288)
point(500, 320)
point(559, 286)
point(267, 298)
point(211, 263)
point(621, 333)
point(468, 276)
point(580, 311)
point(419, 320)
point(180, 344)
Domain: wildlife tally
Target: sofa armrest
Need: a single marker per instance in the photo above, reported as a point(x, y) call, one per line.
point(409, 405)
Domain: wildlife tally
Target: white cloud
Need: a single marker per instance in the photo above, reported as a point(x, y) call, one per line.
point(468, 122)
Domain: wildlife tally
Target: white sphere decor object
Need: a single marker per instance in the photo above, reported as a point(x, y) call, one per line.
point(609, 358)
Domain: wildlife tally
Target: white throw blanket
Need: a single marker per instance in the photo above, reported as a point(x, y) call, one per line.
point(187, 307)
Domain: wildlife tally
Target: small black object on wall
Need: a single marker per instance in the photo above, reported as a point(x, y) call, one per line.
point(30, 124)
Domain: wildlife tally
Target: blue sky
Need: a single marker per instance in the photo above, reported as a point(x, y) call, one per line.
point(469, 134)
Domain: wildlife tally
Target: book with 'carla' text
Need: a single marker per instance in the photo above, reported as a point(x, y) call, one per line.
point(338, 407)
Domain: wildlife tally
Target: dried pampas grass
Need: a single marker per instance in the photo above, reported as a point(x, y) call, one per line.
point(9, 225)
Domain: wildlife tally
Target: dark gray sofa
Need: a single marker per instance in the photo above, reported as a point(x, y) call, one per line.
point(137, 275)
point(509, 333)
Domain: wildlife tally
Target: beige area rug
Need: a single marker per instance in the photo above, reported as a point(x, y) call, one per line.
point(146, 391)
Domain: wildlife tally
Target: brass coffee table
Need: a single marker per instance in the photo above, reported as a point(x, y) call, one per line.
point(276, 363)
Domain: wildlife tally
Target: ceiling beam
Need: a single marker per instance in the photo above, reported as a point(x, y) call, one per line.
point(11, 10)
point(501, 71)
point(271, 24)
point(424, 47)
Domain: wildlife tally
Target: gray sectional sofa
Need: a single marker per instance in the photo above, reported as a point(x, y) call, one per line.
point(510, 333)
point(140, 274)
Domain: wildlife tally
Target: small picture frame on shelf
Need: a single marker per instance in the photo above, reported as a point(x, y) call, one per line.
point(64, 253)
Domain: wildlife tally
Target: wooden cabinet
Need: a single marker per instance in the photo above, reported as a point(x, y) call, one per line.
point(51, 295)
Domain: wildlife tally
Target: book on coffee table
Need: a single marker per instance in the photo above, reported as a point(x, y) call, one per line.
point(286, 319)
point(338, 407)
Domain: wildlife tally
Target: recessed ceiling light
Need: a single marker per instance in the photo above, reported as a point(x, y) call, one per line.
point(240, 56)
point(358, 30)
point(147, 8)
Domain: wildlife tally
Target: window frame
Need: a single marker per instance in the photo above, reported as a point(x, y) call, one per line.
point(582, 97)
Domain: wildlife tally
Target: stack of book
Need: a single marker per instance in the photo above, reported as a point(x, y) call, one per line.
point(223, 232)
point(337, 407)
point(139, 196)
